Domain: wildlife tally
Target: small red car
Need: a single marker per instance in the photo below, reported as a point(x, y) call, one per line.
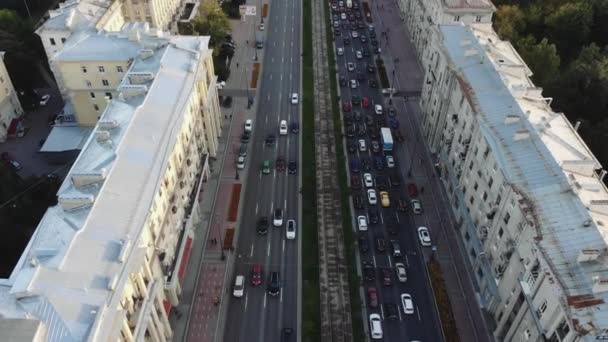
point(256, 275)
point(346, 106)
point(412, 189)
point(373, 297)
point(365, 102)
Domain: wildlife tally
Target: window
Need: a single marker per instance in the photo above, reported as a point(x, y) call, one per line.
point(101, 68)
point(84, 69)
point(96, 107)
point(480, 273)
point(563, 329)
point(542, 308)
point(92, 95)
point(485, 196)
point(471, 165)
point(88, 83)
point(457, 18)
point(62, 40)
point(105, 82)
point(119, 68)
point(473, 253)
point(490, 182)
point(475, 186)
point(1, 79)
point(478, 18)
point(108, 95)
point(527, 333)
point(52, 40)
point(500, 233)
point(498, 199)
point(507, 218)
point(472, 200)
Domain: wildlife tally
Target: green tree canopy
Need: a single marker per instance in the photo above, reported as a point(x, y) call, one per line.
point(541, 58)
point(569, 26)
point(213, 22)
point(509, 22)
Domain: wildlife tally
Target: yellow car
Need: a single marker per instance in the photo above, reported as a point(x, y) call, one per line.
point(384, 199)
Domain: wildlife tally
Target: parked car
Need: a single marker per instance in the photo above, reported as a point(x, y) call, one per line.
point(363, 244)
point(8, 159)
point(45, 99)
point(424, 236)
point(372, 297)
point(401, 272)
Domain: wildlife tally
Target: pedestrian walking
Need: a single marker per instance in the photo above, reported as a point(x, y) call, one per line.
point(237, 65)
point(421, 189)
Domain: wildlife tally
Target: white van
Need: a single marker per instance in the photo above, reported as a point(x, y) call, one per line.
point(239, 286)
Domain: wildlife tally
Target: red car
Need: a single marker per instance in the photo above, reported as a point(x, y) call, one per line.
point(412, 189)
point(280, 164)
point(346, 106)
point(386, 277)
point(365, 102)
point(373, 297)
point(256, 275)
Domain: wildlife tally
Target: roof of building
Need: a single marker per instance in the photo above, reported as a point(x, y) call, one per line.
point(73, 15)
point(88, 243)
point(21, 330)
point(468, 4)
point(66, 138)
point(542, 157)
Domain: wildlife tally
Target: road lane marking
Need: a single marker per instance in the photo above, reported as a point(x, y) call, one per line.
point(382, 311)
point(260, 175)
point(407, 262)
point(381, 218)
point(282, 60)
point(281, 297)
point(268, 98)
point(251, 254)
point(274, 174)
point(268, 249)
point(272, 60)
point(256, 208)
point(246, 298)
point(374, 259)
point(399, 312)
point(266, 121)
point(264, 304)
point(397, 216)
point(281, 77)
point(271, 206)
point(270, 77)
point(283, 246)
point(418, 312)
point(390, 263)
point(285, 204)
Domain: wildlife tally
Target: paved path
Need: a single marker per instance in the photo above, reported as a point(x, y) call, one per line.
point(399, 55)
point(336, 322)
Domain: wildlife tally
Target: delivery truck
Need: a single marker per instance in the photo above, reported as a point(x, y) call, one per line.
point(259, 40)
point(387, 139)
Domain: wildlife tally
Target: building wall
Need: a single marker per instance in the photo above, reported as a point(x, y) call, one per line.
point(10, 107)
point(159, 13)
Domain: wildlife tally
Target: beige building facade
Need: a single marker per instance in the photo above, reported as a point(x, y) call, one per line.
point(10, 107)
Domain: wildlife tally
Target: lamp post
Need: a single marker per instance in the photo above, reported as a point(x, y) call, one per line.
point(219, 234)
point(27, 8)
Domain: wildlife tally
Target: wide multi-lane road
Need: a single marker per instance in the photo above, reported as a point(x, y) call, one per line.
point(392, 224)
point(258, 316)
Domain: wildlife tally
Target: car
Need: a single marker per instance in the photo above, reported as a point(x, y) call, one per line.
point(408, 303)
point(396, 248)
point(369, 272)
point(257, 274)
point(401, 272)
point(373, 216)
point(380, 245)
point(336, 24)
point(390, 162)
point(372, 297)
point(372, 83)
point(390, 311)
point(355, 166)
point(362, 146)
point(248, 125)
point(370, 68)
point(391, 112)
point(355, 100)
point(402, 205)
point(368, 180)
point(280, 164)
point(240, 162)
point(343, 82)
point(352, 146)
point(362, 223)
point(277, 219)
point(376, 50)
point(379, 164)
point(384, 199)
point(412, 190)
point(376, 147)
point(45, 99)
point(354, 34)
point(292, 167)
point(378, 109)
point(239, 286)
point(367, 166)
point(340, 51)
point(358, 54)
point(416, 207)
point(346, 40)
point(294, 98)
point(355, 182)
point(290, 232)
point(360, 76)
point(363, 244)
point(274, 284)
point(361, 130)
point(358, 116)
point(394, 180)
point(371, 196)
point(358, 201)
point(354, 84)
point(343, 16)
point(8, 159)
point(261, 27)
point(372, 34)
point(334, 7)
point(424, 236)
point(262, 225)
point(371, 28)
point(270, 139)
point(350, 66)
point(295, 127)
point(245, 137)
point(283, 127)
point(387, 278)
point(266, 167)
point(375, 326)
point(346, 106)
point(365, 102)
point(374, 42)
point(394, 123)
point(337, 32)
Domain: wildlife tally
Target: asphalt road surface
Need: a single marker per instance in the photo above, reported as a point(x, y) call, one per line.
point(422, 325)
point(258, 316)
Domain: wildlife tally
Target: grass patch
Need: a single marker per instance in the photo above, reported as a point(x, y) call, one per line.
point(255, 73)
point(448, 323)
point(349, 238)
point(311, 312)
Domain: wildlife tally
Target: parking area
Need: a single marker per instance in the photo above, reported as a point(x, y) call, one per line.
point(25, 149)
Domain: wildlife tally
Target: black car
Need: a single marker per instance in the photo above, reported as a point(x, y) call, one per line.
point(295, 127)
point(352, 146)
point(367, 166)
point(372, 83)
point(363, 38)
point(337, 32)
point(387, 278)
point(360, 24)
point(355, 166)
point(360, 76)
point(356, 100)
point(358, 15)
point(373, 216)
point(343, 82)
point(391, 228)
point(394, 179)
point(285, 333)
point(381, 183)
point(348, 118)
point(390, 311)
point(369, 120)
point(245, 137)
point(372, 34)
point(366, 52)
point(376, 50)
point(381, 245)
point(363, 244)
point(369, 273)
point(370, 68)
point(361, 132)
point(347, 41)
point(270, 139)
point(262, 226)
point(292, 167)
point(350, 131)
point(355, 181)
point(380, 121)
point(274, 284)
point(358, 201)
point(391, 111)
point(379, 165)
point(375, 146)
point(358, 116)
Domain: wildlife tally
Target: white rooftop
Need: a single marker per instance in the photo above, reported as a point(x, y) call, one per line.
point(75, 14)
point(552, 168)
point(63, 277)
point(469, 4)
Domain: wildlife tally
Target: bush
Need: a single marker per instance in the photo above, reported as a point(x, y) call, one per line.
point(382, 73)
point(231, 9)
point(448, 322)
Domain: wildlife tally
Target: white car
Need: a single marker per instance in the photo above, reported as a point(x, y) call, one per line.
point(343, 16)
point(261, 27)
point(424, 236)
point(362, 222)
point(277, 220)
point(390, 162)
point(239, 286)
point(416, 206)
point(378, 109)
point(290, 232)
point(45, 99)
point(220, 85)
point(362, 146)
point(294, 98)
point(401, 273)
point(354, 34)
point(408, 303)
point(248, 125)
point(358, 54)
point(350, 66)
point(371, 196)
point(283, 127)
point(240, 163)
point(368, 180)
point(353, 84)
point(375, 326)
point(340, 51)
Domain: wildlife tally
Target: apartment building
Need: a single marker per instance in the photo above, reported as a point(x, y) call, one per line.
point(10, 107)
point(526, 191)
point(105, 263)
point(159, 13)
point(423, 16)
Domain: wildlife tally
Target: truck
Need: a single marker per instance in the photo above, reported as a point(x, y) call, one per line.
point(387, 139)
point(259, 40)
point(349, 3)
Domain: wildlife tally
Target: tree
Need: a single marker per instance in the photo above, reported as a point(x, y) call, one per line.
point(212, 21)
point(509, 22)
point(541, 58)
point(569, 26)
point(599, 28)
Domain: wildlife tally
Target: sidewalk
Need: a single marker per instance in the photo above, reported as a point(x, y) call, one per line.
point(200, 315)
point(404, 71)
